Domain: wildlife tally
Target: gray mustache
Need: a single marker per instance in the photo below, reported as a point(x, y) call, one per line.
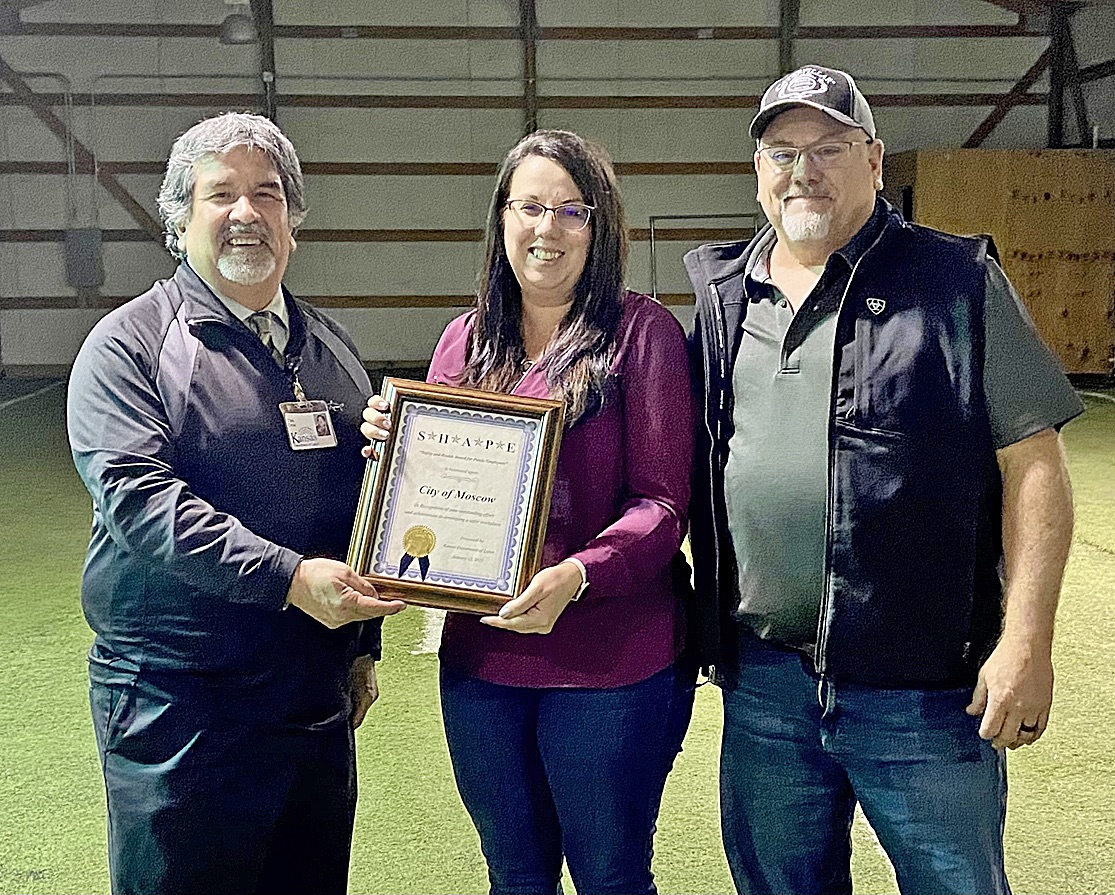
point(247, 230)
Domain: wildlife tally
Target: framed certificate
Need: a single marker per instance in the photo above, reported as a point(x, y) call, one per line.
point(453, 513)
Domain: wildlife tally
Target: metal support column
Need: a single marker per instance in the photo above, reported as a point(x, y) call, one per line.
point(1059, 43)
point(789, 17)
point(528, 29)
point(264, 15)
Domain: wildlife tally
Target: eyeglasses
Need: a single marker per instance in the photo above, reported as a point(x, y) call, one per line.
point(824, 155)
point(571, 216)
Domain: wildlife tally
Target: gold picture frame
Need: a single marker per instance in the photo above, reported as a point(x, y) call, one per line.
point(453, 511)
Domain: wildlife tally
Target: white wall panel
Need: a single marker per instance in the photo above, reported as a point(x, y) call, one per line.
point(1018, 129)
point(441, 202)
point(384, 268)
point(193, 12)
point(35, 268)
point(655, 13)
point(40, 201)
point(671, 274)
point(336, 201)
point(926, 66)
point(376, 66)
point(48, 337)
point(904, 12)
point(96, 63)
point(10, 280)
point(719, 66)
point(31, 202)
point(385, 336)
point(38, 268)
point(661, 135)
point(927, 128)
point(24, 138)
point(1100, 96)
point(646, 195)
point(136, 134)
point(131, 267)
point(1093, 29)
point(494, 13)
point(403, 135)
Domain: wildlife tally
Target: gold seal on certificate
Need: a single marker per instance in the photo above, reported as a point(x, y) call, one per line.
point(419, 542)
point(453, 512)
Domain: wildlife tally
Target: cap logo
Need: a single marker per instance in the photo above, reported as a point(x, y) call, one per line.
point(876, 305)
point(804, 82)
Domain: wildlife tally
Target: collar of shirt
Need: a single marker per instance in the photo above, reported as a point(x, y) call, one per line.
point(864, 238)
point(757, 281)
point(280, 335)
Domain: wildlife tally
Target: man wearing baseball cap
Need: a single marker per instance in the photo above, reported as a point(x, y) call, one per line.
point(881, 518)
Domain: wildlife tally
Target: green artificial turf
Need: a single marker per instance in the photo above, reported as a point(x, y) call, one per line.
point(412, 835)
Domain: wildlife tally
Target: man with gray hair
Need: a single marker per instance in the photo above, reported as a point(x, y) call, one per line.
point(232, 659)
point(881, 517)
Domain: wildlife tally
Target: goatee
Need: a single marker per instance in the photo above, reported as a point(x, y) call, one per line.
point(246, 268)
point(806, 225)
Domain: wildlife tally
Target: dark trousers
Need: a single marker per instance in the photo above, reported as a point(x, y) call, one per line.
point(206, 795)
point(574, 772)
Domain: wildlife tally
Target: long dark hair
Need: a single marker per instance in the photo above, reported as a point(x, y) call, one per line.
point(581, 353)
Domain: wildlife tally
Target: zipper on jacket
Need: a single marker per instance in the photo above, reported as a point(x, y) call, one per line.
point(823, 625)
point(714, 431)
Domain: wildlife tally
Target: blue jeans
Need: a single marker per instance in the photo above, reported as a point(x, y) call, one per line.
point(799, 752)
point(574, 772)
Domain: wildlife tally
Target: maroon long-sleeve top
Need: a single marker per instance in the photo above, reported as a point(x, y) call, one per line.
point(619, 505)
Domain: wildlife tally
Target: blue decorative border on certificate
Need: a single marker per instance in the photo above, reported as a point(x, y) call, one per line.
point(413, 413)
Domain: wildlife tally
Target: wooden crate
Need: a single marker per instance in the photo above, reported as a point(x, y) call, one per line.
point(1052, 215)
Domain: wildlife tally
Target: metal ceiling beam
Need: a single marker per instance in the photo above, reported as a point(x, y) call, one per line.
point(41, 109)
point(396, 169)
point(474, 33)
point(1022, 7)
point(1014, 6)
point(1018, 95)
point(1096, 72)
point(507, 101)
point(264, 16)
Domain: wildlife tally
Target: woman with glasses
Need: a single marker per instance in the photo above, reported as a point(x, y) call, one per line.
point(563, 714)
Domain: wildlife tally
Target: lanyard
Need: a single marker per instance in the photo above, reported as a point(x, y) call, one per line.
point(293, 365)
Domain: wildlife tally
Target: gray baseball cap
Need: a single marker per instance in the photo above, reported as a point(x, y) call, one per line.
point(828, 89)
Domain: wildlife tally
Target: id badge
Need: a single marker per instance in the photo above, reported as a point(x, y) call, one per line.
point(308, 425)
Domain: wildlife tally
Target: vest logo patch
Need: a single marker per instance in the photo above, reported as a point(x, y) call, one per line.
point(876, 305)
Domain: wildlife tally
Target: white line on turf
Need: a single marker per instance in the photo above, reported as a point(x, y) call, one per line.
point(1100, 395)
point(432, 620)
point(11, 402)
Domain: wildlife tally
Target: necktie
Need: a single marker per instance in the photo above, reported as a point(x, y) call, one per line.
point(264, 324)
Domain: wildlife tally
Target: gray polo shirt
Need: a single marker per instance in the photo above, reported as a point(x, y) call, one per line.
point(777, 474)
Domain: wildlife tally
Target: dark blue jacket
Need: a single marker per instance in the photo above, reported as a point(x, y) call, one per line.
point(912, 593)
point(201, 510)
